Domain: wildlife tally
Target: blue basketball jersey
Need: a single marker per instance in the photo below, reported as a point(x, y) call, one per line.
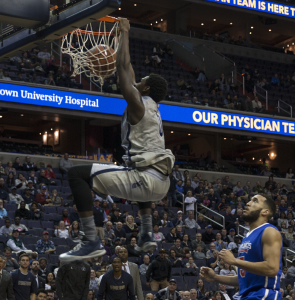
point(249, 283)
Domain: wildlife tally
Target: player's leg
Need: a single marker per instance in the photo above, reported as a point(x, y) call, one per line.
point(79, 180)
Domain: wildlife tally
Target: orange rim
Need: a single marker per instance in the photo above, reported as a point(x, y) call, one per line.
point(80, 32)
point(109, 19)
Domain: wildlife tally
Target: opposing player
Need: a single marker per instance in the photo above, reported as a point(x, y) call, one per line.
point(147, 163)
point(260, 255)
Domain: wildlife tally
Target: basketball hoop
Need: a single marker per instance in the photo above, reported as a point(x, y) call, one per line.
point(95, 52)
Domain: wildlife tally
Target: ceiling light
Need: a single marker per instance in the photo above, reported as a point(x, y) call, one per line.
point(249, 141)
point(230, 23)
point(40, 133)
point(119, 8)
point(250, 32)
point(151, 24)
point(253, 158)
point(0, 117)
point(135, 4)
point(202, 24)
point(162, 20)
point(224, 138)
point(214, 20)
point(292, 43)
point(115, 163)
point(189, 134)
point(45, 132)
point(22, 115)
point(288, 45)
point(172, 131)
point(51, 128)
point(252, 27)
point(156, 22)
point(269, 29)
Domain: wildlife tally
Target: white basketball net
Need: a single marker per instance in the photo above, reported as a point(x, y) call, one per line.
point(82, 56)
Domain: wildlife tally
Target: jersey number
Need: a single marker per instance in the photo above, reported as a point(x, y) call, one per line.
point(160, 124)
point(242, 272)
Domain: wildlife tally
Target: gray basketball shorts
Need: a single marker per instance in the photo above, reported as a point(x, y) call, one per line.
point(130, 184)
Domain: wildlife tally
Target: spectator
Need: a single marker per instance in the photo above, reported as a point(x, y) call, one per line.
point(43, 179)
point(109, 234)
point(165, 222)
point(234, 246)
point(120, 232)
point(177, 174)
point(144, 267)
point(23, 213)
point(55, 199)
point(50, 278)
point(186, 99)
point(247, 105)
point(169, 292)
point(190, 200)
point(219, 243)
point(275, 81)
point(210, 252)
point(190, 263)
point(24, 283)
point(41, 197)
point(215, 88)
point(190, 222)
point(159, 272)
point(93, 281)
point(147, 61)
point(258, 188)
point(3, 212)
point(249, 85)
point(177, 248)
point(10, 181)
point(5, 76)
point(208, 236)
point(100, 218)
point(289, 173)
point(61, 231)
point(74, 216)
point(158, 236)
point(65, 217)
point(256, 104)
point(199, 254)
point(36, 214)
point(34, 266)
point(44, 55)
point(171, 236)
point(33, 178)
point(20, 227)
point(291, 270)
point(201, 291)
point(214, 261)
point(14, 243)
point(34, 79)
point(28, 197)
point(65, 164)
point(116, 217)
point(49, 174)
point(5, 229)
point(171, 194)
point(156, 219)
point(75, 232)
point(9, 168)
point(44, 245)
point(201, 221)
point(28, 165)
point(130, 225)
point(11, 263)
point(131, 248)
point(227, 270)
point(178, 220)
point(19, 77)
point(21, 182)
point(198, 241)
point(14, 197)
point(222, 288)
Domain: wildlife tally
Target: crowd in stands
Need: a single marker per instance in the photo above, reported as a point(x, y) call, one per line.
point(35, 219)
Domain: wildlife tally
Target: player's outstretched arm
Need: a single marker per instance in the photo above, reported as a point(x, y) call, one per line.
point(271, 243)
point(126, 75)
point(209, 275)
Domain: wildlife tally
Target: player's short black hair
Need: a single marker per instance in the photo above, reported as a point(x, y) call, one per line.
point(43, 291)
point(117, 257)
point(270, 204)
point(158, 87)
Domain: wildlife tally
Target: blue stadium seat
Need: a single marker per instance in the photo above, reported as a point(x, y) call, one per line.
point(176, 272)
point(191, 232)
point(50, 209)
point(65, 183)
point(10, 214)
point(60, 209)
point(29, 240)
point(133, 259)
point(59, 241)
point(34, 224)
point(10, 207)
point(54, 258)
point(62, 249)
point(47, 225)
point(31, 247)
point(201, 263)
point(45, 255)
point(48, 217)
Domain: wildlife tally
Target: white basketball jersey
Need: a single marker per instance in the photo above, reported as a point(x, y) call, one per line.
point(144, 143)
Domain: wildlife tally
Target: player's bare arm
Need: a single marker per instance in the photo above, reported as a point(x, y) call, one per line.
point(271, 243)
point(126, 76)
point(209, 275)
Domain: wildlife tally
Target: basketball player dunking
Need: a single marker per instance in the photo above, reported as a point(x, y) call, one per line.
point(260, 253)
point(144, 178)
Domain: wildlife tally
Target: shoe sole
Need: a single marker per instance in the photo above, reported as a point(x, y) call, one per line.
point(146, 247)
point(68, 258)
